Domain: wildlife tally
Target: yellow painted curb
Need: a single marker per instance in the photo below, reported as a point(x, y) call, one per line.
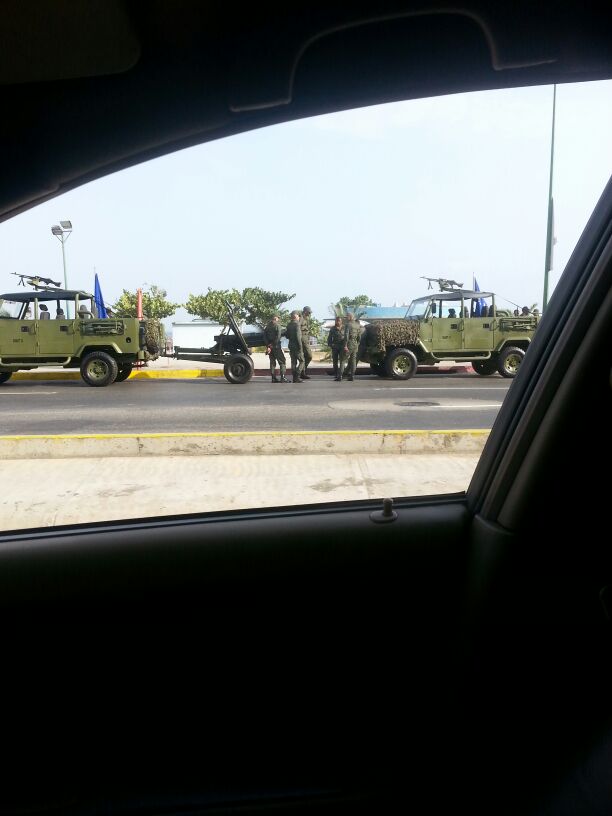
point(156, 374)
point(66, 446)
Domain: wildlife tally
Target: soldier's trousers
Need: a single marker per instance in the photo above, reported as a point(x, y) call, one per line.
point(307, 353)
point(277, 356)
point(350, 360)
point(297, 362)
point(336, 355)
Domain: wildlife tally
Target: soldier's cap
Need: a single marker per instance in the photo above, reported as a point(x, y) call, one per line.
point(307, 309)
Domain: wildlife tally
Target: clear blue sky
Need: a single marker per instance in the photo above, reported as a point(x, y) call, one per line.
point(365, 201)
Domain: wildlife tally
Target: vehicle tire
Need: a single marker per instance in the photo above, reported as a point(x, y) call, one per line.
point(124, 372)
point(510, 361)
point(377, 368)
point(5, 375)
point(98, 369)
point(401, 364)
point(238, 369)
point(485, 367)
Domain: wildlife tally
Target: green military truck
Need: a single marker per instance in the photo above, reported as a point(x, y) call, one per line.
point(453, 324)
point(50, 326)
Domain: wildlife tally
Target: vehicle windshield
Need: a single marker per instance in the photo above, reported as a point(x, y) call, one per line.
point(11, 308)
point(348, 370)
point(418, 309)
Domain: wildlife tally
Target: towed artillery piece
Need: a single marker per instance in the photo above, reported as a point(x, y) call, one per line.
point(232, 349)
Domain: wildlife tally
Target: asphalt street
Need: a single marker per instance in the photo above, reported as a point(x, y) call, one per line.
point(426, 402)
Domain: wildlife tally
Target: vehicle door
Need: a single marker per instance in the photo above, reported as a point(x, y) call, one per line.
point(17, 335)
point(55, 337)
point(447, 331)
point(426, 327)
point(479, 332)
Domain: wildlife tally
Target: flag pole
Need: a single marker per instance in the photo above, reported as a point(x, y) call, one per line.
point(550, 219)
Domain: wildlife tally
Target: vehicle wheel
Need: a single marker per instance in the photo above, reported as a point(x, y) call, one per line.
point(401, 364)
point(124, 372)
point(377, 368)
point(99, 368)
point(238, 369)
point(510, 361)
point(485, 367)
point(5, 375)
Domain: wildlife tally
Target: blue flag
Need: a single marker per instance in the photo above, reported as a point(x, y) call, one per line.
point(481, 307)
point(101, 308)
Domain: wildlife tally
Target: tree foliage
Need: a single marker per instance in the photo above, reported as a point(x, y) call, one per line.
point(154, 303)
point(212, 305)
point(254, 306)
point(346, 304)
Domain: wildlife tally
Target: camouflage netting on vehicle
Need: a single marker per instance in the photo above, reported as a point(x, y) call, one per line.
point(154, 337)
point(378, 337)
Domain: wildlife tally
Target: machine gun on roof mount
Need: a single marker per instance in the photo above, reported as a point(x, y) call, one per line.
point(36, 282)
point(444, 284)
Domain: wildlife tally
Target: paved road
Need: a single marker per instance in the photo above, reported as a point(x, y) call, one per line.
point(427, 402)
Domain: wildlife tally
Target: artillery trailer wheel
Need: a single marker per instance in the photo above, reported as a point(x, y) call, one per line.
point(401, 364)
point(238, 369)
point(98, 369)
point(5, 375)
point(510, 361)
point(124, 372)
point(485, 367)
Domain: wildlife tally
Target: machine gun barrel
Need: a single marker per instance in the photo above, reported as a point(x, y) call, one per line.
point(445, 284)
point(35, 281)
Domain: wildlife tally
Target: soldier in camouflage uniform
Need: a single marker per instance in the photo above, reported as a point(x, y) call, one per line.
point(305, 329)
point(294, 335)
point(352, 334)
point(272, 334)
point(335, 340)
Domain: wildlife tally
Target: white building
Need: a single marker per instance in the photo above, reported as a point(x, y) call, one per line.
point(195, 334)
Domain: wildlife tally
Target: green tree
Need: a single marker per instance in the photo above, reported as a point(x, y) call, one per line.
point(154, 303)
point(261, 306)
point(346, 304)
point(254, 306)
point(212, 305)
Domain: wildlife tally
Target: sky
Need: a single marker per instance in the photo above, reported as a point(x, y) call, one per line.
point(360, 202)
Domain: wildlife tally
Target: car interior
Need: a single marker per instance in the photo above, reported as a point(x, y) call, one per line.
point(456, 656)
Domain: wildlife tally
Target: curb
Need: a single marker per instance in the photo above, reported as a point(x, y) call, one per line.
point(198, 373)
point(247, 443)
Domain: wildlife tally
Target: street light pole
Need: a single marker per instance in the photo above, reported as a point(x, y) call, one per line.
point(62, 232)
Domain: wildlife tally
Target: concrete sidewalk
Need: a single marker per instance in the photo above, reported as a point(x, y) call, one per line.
point(50, 492)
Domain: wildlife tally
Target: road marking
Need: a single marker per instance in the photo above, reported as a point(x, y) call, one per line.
point(27, 393)
point(437, 388)
point(461, 407)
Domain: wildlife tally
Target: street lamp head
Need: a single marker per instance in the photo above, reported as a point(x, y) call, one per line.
point(56, 230)
point(66, 225)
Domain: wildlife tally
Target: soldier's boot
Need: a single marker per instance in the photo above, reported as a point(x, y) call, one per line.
point(350, 378)
point(273, 375)
point(304, 375)
point(283, 378)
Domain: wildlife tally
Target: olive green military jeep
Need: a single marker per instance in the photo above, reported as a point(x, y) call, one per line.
point(59, 327)
point(454, 324)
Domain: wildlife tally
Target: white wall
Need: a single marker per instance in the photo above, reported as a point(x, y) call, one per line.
point(195, 334)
